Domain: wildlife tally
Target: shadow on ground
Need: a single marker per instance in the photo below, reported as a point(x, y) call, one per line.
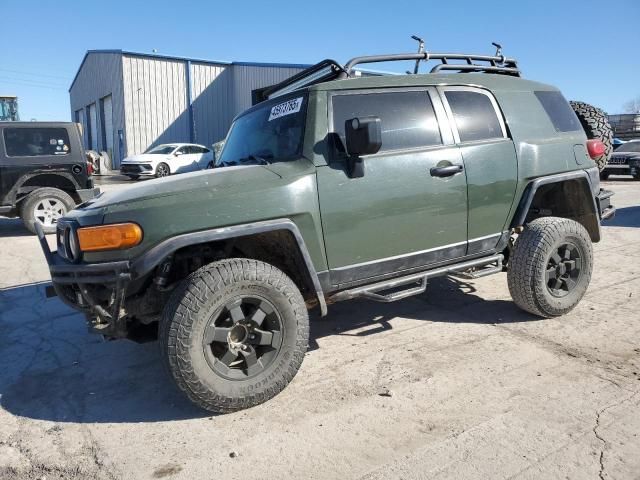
point(54, 370)
point(13, 227)
point(625, 217)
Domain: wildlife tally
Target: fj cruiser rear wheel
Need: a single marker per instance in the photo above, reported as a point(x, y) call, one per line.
point(596, 126)
point(550, 268)
point(45, 206)
point(234, 334)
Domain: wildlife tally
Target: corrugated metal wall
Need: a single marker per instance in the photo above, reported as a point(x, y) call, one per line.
point(150, 97)
point(247, 78)
point(99, 76)
point(155, 102)
point(211, 91)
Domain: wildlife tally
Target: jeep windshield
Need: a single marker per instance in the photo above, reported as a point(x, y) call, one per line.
point(271, 133)
point(161, 150)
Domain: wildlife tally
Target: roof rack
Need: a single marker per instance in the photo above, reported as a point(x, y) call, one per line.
point(328, 70)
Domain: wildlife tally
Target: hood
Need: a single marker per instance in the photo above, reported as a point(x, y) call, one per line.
point(213, 181)
point(144, 158)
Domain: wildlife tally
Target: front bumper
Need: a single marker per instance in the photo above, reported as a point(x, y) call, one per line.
point(136, 169)
point(74, 283)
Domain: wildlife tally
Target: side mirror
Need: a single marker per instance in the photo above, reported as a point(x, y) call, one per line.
point(177, 154)
point(363, 137)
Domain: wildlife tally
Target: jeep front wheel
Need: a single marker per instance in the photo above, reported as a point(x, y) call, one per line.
point(45, 206)
point(550, 268)
point(234, 334)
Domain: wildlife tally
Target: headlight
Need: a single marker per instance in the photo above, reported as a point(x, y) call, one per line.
point(109, 237)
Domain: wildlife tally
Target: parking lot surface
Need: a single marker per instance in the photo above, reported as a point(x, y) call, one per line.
point(454, 383)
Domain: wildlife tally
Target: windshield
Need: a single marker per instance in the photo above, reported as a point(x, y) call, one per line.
point(271, 133)
point(161, 149)
point(629, 147)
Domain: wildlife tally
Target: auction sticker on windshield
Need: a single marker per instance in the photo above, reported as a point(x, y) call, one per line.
point(286, 108)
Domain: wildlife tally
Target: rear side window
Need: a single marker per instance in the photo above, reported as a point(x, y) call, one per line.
point(474, 115)
point(408, 119)
point(560, 112)
point(34, 142)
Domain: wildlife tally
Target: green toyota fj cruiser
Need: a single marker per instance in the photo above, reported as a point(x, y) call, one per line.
point(331, 187)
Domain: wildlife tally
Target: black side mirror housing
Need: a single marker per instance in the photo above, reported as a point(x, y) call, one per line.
point(363, 137)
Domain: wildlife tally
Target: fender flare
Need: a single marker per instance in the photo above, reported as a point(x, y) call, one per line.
point(13, 193)
point(531, 189)
point(152, 258)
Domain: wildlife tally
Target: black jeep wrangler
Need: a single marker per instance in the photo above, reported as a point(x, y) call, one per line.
point(44, 172)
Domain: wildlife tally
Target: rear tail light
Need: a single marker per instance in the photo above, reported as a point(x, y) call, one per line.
point(89, 168)
point(595, 148)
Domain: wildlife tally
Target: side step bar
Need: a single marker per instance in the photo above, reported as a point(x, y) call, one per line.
point(459, 269)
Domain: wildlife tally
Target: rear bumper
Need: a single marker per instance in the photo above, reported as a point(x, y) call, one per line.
point(605, 209)
point(78, 284)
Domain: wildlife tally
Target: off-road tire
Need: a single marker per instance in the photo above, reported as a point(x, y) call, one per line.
point(39, 195)
point(596, 125)
point(529, 262)
point(190, 309)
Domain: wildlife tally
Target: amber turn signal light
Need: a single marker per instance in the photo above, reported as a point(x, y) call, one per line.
point(109, 237)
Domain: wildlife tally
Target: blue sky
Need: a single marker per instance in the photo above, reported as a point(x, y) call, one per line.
point(589, 49)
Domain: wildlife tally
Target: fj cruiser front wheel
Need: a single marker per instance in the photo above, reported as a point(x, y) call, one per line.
point(551, 265)
point(45, 206)
point(234, 334)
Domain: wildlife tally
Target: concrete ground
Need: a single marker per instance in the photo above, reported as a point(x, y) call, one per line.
point(455, 383)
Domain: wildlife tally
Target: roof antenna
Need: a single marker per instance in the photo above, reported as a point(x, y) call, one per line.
point(420, 50)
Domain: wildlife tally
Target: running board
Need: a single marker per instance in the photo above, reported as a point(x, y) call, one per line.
point(459, 269)
point(483, 271)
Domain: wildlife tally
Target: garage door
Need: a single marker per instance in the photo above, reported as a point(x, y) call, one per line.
point(81, 120)
point(93, 124)
point(107, 123)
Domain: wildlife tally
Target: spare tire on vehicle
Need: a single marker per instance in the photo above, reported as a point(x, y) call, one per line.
point(596, 126)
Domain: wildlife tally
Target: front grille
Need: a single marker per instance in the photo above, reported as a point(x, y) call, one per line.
point(618, 161)
point(131, 169)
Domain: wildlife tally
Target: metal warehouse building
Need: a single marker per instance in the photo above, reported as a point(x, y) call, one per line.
point(128, 102)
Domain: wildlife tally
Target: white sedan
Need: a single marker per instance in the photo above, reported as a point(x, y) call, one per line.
point(167, 159)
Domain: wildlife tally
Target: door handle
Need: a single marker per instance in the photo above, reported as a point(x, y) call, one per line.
point(447, 171)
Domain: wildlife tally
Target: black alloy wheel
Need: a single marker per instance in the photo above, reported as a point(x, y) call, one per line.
point(563, 269)
point(243, 338)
